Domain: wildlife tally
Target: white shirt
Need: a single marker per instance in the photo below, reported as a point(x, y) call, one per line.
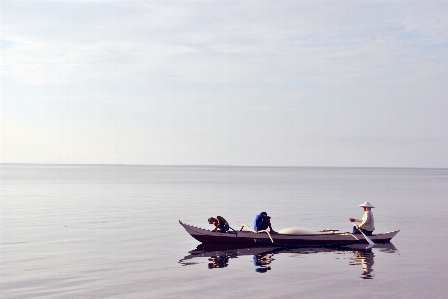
point(368, 221)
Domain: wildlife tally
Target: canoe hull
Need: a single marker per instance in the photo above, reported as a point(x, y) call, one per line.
point(206, 236)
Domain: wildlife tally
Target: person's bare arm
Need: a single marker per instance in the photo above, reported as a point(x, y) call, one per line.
point(355, 220)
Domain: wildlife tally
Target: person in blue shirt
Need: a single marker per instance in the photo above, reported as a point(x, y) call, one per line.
point(263, 222)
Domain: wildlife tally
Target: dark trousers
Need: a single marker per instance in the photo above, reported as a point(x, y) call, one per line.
point(366, 232)
point(224, 228)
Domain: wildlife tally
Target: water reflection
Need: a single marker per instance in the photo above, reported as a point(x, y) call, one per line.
point(262, 261)
point(366, 260)
point(219, 261)
point(263, 257)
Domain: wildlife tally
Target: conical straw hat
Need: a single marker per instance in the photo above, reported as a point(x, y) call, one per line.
point(366, 205)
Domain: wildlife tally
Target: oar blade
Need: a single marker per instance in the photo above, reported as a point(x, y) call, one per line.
point(369, 240)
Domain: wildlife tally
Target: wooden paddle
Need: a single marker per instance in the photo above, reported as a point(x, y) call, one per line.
point(367, 238)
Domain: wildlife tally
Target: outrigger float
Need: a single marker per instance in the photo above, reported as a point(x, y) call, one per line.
point(326, 237)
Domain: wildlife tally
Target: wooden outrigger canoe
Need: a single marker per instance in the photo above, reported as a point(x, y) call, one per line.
point(323, 238)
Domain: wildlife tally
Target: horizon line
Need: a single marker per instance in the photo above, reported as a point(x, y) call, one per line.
point(210, 165)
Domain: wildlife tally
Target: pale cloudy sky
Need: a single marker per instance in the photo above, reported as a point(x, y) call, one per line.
point(287, 83)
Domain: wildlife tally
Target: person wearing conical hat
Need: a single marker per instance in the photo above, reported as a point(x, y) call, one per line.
point(367, 222)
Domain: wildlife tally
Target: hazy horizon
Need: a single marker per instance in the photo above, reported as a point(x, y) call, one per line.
point(198, 165)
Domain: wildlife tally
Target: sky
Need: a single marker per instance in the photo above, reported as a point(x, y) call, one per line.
point(246, 83)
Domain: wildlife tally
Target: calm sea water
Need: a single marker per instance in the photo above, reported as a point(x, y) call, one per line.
point(95, 231)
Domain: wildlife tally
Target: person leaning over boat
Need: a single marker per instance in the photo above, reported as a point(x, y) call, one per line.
point(221, 225)
point(367, 222)
point(262, 222)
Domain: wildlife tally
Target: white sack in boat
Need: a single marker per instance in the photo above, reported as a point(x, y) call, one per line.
point(296, 231)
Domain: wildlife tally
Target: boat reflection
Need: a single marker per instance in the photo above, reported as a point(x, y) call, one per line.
point(219, 256)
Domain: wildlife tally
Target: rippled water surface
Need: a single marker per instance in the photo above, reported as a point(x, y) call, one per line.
point(92, 231)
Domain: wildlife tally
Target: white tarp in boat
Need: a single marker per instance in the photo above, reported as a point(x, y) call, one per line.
point(297, 231)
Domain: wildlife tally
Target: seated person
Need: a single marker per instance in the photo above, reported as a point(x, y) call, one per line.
point(262, 222)
point(367, 222)
point(220, 223)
